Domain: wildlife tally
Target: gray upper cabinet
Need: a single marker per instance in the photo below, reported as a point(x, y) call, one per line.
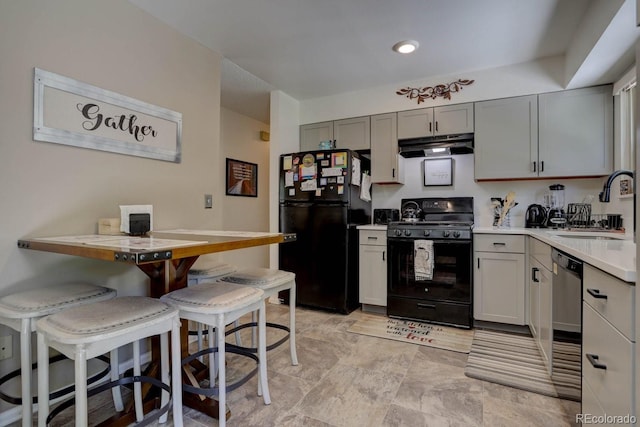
point(444, 120)
point(312, 134)
point(386, 163)
point(353, 134)
point(576, 132)
point(551, 135)
point(506, 138)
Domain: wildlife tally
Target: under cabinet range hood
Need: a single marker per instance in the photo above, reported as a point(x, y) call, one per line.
point(436, 145)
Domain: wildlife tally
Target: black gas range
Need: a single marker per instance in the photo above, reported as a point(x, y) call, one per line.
point(430, 274)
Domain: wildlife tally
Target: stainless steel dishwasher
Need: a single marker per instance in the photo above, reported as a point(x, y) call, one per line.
point(567, 324)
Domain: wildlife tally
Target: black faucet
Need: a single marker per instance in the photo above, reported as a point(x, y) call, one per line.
point(606, 190)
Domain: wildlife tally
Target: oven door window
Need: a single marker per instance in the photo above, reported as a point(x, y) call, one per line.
point(451, 271)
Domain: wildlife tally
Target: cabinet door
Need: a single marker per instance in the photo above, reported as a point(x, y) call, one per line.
point(373, 275)
point(576, 132)
point(415, 123)
point(453, 119)
point(506, 138)
point(312, 134)
point(352, 134)
point(386, 163)
point(540, 309)
point(499, 288)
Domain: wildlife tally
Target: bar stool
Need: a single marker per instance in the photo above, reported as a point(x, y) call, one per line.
point(21, 310)
point(271, 281)
point(89, 330)
point(219, 304)
point(208, 270)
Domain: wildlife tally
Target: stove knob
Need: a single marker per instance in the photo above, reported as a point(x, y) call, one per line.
point(398, 232)
point(407, 232)
point(427, 232)
point(456, 233)
point(445, 233)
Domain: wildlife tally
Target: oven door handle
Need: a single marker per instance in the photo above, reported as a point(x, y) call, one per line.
point(423, 305)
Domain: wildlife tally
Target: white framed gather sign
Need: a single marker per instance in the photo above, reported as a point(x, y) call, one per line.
point(69, 112)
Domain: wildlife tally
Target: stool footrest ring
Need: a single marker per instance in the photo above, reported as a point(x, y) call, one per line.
point(215, 391)
point(56, 394)
point(122, 381)
point(255, 324)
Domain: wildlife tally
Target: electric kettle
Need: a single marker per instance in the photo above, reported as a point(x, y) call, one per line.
point(535, 217)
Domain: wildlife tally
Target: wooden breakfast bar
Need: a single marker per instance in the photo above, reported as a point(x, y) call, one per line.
point(165, 257)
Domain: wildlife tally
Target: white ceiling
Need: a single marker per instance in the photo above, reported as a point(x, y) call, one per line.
point(310, 48)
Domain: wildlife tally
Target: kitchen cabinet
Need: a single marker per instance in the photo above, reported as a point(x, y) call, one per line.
point(312, 134)
point(506, 138)
point(499, 279)
point(541, 298)
point(608, 344)
point(351, 134)
point(575, 131)
point(568, 134)
point(386, 163)
point(434, 121)
point(373, 267)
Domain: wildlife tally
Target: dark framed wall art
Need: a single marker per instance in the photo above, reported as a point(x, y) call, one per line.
point(242, 178)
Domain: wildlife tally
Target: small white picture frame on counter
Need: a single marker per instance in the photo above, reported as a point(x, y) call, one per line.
point(438, 172)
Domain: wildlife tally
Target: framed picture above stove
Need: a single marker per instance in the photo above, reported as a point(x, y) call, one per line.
point(438, 172)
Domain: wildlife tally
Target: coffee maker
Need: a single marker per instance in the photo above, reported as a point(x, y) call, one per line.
point(556, 217)
point(535, 217)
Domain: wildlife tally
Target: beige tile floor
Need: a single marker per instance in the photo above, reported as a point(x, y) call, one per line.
point(345, 379)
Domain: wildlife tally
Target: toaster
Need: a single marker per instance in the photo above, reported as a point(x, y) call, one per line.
point(385, 216)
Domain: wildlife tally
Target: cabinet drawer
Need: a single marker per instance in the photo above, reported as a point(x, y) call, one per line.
point(613, 386)
point(498, 243)
point(540, 251)
point(373, 237)
point(617, 307)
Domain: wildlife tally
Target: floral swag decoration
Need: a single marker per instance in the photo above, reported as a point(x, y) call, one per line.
point(443, 90)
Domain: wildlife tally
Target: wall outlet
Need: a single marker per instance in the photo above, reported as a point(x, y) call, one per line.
point(6, 347)
point(208, 201)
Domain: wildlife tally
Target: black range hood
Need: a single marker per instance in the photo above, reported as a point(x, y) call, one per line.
point(423, 147)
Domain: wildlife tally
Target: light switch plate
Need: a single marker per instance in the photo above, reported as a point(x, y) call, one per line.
point(208, 201)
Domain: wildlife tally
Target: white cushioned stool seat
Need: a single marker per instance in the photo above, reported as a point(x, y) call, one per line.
point(206, 269)
point(218, 304)
point(89, 330)
point(21, 310)
point(271, 281)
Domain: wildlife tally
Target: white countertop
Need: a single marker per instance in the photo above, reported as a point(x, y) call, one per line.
point(616, 256)
point(371, 227)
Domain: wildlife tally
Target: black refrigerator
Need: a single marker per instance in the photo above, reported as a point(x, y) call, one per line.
point(322, 201)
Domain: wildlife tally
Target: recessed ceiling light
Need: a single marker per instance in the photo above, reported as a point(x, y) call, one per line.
point(406, 46)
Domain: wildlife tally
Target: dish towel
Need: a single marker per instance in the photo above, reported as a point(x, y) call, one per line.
point(423, 259)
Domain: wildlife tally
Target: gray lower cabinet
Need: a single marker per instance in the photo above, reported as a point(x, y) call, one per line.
point(499, 278)
point(608, 347)
point(540, 298)
point(373, 267)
